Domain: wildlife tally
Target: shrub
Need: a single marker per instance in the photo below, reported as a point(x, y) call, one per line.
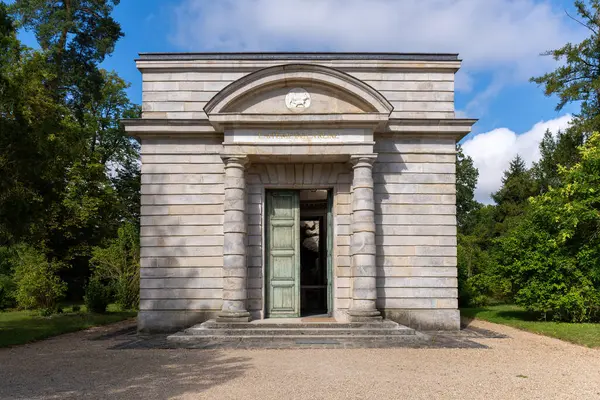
point(119, 264)
point(7, 292)
point(46, 312)
point(76, 308)
point(97, 296)
point(7, 283)
point(36, 279)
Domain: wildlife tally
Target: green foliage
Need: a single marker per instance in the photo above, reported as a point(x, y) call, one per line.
point(119, 264)
point(472, 262)
point(7, 285)
point(466, 181)
point(75, 36)
point(551, 258)
point(555, 150)
point(70, 173)
point(577, 79)
point(518, 186)
point(7, 292)
point(97, 296)
point(478, 281)
point(38, 285)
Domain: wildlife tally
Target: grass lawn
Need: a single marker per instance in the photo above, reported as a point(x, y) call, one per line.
point(583, 334)
point(19, 327)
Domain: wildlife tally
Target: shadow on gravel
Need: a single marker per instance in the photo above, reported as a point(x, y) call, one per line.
point(129, 340)
point(83, 366)
point(470, 331)
point(125, 332)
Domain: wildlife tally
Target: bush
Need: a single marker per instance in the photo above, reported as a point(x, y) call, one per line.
point(119, 264)
point(7, 283)
point(7, 292)
point(37, 283)
point(46, 312)
point(76, 308)
point(97, 296)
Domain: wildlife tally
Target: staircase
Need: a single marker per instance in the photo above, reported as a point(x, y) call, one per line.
point(287, 333)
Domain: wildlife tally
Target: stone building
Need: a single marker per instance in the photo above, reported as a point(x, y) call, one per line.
point(291, 184)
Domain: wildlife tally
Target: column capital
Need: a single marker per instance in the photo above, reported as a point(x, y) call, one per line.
point(362, 160)
point(235, 160)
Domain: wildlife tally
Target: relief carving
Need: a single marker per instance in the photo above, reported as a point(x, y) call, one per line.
point(297, 99)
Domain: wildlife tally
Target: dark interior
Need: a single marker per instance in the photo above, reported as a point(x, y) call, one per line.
point(313, 252)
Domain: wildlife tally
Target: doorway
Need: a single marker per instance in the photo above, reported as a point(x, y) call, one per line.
point(298, 253)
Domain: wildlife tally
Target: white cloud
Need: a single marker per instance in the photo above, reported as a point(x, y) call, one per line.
point(492, 152)
point(463, 81)
point(487, 34)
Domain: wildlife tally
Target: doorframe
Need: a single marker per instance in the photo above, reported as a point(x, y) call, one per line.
point(331, 242)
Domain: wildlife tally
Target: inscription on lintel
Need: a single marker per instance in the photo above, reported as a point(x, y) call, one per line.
point(299, 136)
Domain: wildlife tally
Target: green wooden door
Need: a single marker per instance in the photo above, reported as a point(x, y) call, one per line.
point(283, 253)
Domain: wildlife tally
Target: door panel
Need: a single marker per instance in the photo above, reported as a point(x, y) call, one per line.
point(283, 257)
point(329, 252)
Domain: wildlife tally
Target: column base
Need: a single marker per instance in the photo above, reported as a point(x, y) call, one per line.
point(233, 316)
point(364, 316)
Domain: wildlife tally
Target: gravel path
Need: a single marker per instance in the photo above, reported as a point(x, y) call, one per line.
point(93, 365)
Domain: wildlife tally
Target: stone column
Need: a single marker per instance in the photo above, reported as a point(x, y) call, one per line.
point(234, 243)
point(364, 288)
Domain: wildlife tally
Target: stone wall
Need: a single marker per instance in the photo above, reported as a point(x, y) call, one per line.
point(183, 95)
point(181, 231)
point(415, 206)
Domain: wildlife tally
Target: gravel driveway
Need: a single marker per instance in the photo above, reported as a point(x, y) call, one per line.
point(94, 365)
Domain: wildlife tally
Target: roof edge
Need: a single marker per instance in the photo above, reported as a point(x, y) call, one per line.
point(362, 56)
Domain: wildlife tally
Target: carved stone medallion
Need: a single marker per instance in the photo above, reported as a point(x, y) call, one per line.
point(297, 100)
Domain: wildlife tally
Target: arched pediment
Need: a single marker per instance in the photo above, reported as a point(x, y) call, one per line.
point(296, 93)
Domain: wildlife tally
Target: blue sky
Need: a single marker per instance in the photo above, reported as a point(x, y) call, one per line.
point(498, 40)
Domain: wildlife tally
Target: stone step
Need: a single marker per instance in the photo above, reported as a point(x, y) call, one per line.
point(290, 333)
point(183, 338)
point(299, 331)
point(294, 325)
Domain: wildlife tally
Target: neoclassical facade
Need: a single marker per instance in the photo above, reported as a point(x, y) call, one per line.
point(286, 185)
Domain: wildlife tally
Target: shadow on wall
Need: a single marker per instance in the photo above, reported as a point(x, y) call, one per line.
point(382, 170)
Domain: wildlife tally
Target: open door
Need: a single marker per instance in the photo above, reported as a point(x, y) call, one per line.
point(283, 253)
point(329, 251)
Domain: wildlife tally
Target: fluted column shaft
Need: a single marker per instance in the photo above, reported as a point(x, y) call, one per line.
point(364, 287)
point(234, 243)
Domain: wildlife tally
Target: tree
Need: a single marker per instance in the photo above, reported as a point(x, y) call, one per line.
point(75, 36)
point(551, 257)
point(38, 285)
point(119, 264)
point(72, 174)
point(36, 144)
point(578, 77)
point(474, 258)
point(466, 181)
point(511, 199)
